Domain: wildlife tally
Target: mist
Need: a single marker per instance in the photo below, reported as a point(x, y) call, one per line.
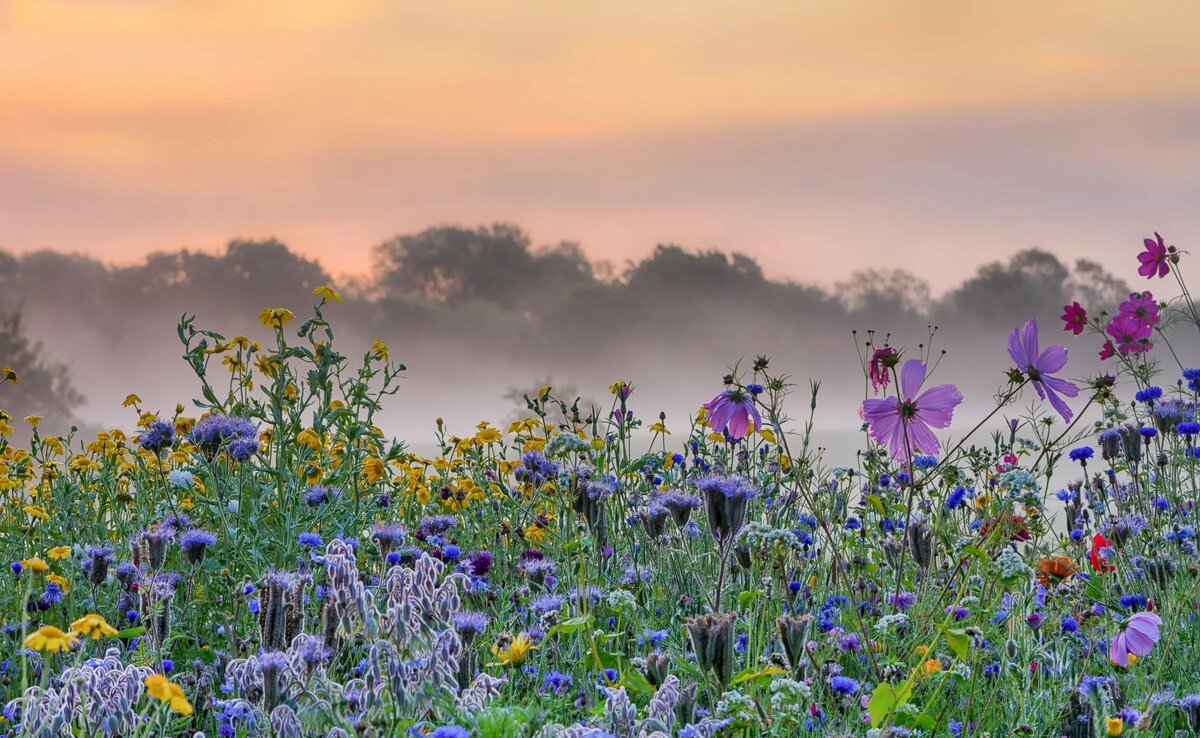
point(481, 315)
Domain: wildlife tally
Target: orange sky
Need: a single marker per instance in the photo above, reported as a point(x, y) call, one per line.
point(877, 132)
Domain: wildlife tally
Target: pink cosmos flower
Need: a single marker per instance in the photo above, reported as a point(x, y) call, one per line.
point(1023, 348)
point(733, 407)
point(1107, 351)
point(1154, 259)
point(911, 416)
point(1075, 318)
point(1130, 334)
point(1142, 306)
point(1137, 637)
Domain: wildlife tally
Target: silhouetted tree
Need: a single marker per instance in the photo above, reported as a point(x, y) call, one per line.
point(1031, 284)
point(884, 293)
point(44, 388)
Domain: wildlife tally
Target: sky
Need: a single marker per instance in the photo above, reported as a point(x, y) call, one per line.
point(819, 137)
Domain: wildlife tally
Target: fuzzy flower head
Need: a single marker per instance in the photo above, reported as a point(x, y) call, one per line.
point(731, 411)
point(194, 543)
point(159, 434)
point(1023, 348)
point(904, 423)
point(216, 431)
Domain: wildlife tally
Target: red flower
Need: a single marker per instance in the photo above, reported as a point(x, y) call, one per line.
point(1107, 351)
point(1099, 562)
point(1013, 528)
point(1075, 318)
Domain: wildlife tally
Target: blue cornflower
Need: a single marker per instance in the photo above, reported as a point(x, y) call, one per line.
point(1149, 395)
point(923, 461)
point(843, 685)
point(312, 540)
point(1082, 454)
point(956, 498)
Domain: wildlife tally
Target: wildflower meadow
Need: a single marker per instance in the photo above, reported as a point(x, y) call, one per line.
point(263, 560)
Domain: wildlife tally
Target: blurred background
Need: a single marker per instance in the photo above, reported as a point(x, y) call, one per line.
point(524, 193)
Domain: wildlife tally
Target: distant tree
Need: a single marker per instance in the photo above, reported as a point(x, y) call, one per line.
point(1031, 284)
point(248, 276)
point(1094, 287)
point(884, 292)
point(455, 265)
point(44, 387)
point(672, 271)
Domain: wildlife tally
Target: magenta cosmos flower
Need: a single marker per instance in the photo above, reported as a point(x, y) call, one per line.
point(1154, 259)
point(732, 410)
point(1075, 318)
point(1137, 637)
point(1142, 306)
point(1023, 348)
point(1130, 333)
point(911, 416)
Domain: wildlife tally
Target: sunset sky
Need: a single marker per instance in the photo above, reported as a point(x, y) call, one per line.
point(820, 137)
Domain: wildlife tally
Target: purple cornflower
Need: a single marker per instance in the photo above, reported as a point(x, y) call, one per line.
point(1023, 348)
point(312, 540)
point(480, 562)
point(556, 682)
point(194, 543)
point(96, 561)
point(543, 605)
point(680, 504)
point(904, 423)
point(216, 430)
point(387, 535)
point(159, 434)
point(472, 623)
point(318, 494)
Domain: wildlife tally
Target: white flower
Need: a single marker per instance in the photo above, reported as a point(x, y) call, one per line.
point(180, 478)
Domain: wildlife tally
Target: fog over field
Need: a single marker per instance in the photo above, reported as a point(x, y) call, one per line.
point(480, 315)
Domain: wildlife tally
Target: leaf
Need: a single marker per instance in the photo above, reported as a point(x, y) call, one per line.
point(959, 642)
point(977, 552)
point(745, 598)
point(635, 682)
point(572, 625)
point(885, 699)
point(877, 505)
point(920, 721)
point(746, 675)
point(131, 632)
